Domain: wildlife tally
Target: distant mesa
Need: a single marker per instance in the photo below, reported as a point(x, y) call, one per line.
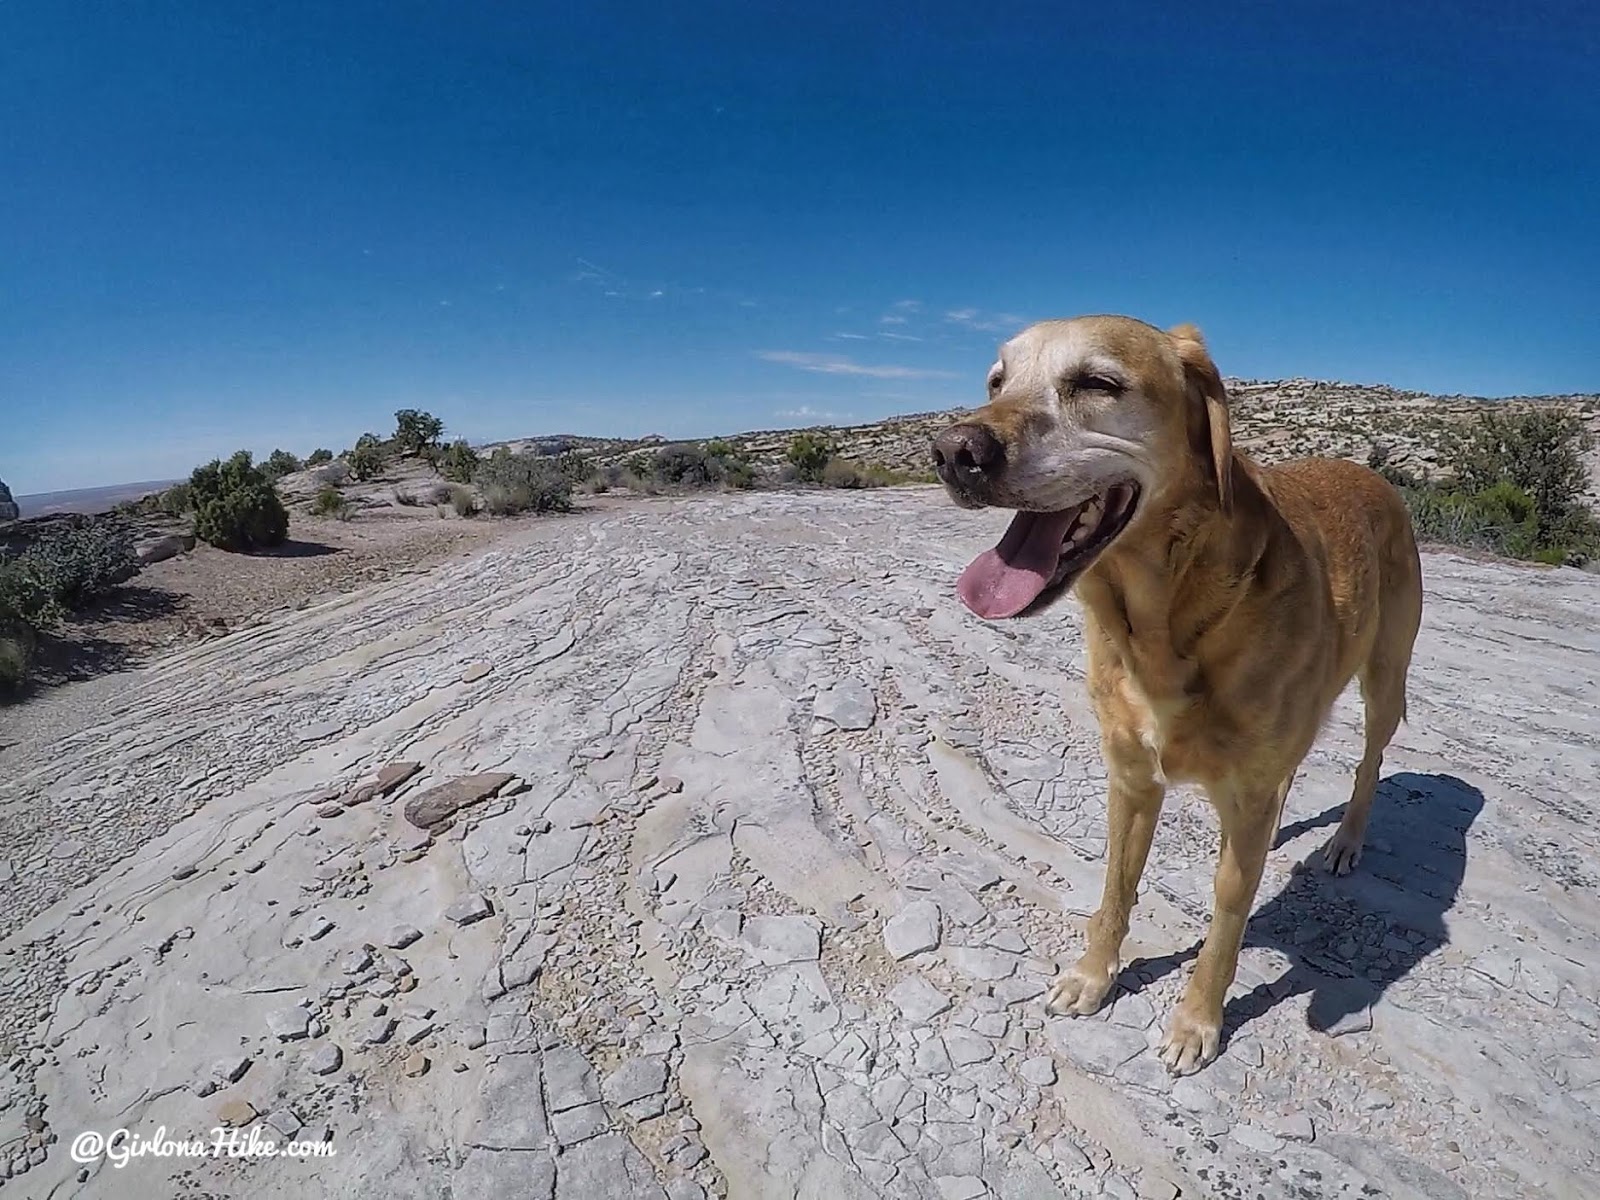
point(85, 501)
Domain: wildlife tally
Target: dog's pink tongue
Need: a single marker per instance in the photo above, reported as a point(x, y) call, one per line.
point(1004, 581)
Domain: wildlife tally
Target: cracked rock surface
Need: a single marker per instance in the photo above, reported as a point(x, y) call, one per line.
point(743, 872)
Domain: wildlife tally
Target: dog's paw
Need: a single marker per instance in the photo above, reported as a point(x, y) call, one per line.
point(1081, 990)
point(1342, 852)
point(1191, 1041)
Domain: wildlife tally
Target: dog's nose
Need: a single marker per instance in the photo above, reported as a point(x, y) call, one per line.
point(969, 452)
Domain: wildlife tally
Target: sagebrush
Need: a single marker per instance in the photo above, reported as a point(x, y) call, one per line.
point(517, 483)
point(330, 502)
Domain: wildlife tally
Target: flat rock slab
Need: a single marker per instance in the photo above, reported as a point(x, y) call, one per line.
point(850, 705)
point(391, 777)
point(437, 805)
point(289, 1024)
point(775, 940)
point(636, 1079)
point(913, 930)
point(918, 999)
point(471, 907)
point(745, 873)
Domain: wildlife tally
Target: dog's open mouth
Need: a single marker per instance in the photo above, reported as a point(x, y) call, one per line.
point(1044, 552)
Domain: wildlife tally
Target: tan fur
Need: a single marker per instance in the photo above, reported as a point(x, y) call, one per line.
point(1220, 626)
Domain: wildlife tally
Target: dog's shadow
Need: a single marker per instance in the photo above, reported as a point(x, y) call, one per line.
point(1349, 939)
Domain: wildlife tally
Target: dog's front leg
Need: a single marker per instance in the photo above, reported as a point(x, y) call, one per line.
point(1134, 799)
point(1195, 1031)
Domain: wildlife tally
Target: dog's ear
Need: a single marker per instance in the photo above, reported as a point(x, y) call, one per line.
point(1208, 409)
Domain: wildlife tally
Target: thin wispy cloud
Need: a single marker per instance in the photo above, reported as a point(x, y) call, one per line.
point(806, 413)
point(898, 337)
point(901, 312)
point(985, 322)
point(834, 364)
point(615, 286)
point(851, 337)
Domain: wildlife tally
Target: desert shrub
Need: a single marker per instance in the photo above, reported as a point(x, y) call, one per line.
point(319, 456)
point(1381, 459)
point(79, 564)
point(1502, 520)
point(1540, 451)
point(236, 505)
point(416, 431)
point(65, 569)
point(367, 458)
point(1514, 487)
point(637, 465)
point(617, 475)
point(175, 501)
point(809, 454)
point(1498, 519)
point(684, 466)
point(280, 463)
point(735, 467)
point(16, 655)
point(330, 502)
point(690, 466)
point(459, 462)
point(517, 483)
point(575, 467)
point(26, 596)
point(463, 501)
point(843, 473)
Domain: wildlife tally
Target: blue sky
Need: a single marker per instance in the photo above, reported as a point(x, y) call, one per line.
point(274, 224)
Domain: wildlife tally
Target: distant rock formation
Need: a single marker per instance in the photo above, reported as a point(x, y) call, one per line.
point(8, 507)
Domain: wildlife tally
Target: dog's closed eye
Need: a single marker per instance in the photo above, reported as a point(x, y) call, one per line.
point(1096, 383)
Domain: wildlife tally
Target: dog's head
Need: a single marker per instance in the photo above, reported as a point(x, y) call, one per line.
point(1092, 424)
